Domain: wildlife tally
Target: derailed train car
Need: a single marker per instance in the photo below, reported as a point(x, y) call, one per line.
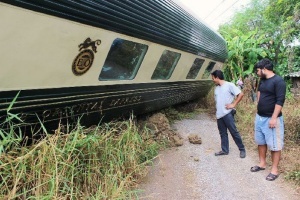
point(96, 60)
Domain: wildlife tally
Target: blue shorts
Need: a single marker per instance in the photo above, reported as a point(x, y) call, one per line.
point(272, 137)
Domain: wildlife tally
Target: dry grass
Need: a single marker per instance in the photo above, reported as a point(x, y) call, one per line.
point(99, 163)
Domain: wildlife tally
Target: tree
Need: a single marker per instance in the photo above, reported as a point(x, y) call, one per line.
point(243, 52)
point(264, 28)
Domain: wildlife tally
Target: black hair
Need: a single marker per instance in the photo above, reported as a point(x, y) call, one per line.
point(218, 74)
point(264, 63)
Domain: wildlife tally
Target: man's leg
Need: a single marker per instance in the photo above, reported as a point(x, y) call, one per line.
point(260, 124)
point(224, 135)
point(262, 154)
point(275, 142)
point(275, 161)
point(230, 123)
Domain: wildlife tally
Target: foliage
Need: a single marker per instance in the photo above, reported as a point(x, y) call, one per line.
point(243, 53)
point(10, 132)
point(265, 28)
point(295, 175)
point(287, 14)
point(99, 163)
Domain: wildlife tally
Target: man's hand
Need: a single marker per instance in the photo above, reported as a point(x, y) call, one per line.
point(272, 122)
point(229, 106)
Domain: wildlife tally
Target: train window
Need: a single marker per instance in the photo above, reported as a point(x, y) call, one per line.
point(123, 60)
point(195, 68)
point(208, 70)
point(166, 65)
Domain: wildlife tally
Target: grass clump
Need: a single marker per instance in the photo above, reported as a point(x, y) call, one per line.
point(103, 162)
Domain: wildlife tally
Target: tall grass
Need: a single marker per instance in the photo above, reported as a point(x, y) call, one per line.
point(10, 132)
point(99, 163)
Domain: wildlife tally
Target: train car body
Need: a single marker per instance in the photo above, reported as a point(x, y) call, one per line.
point(97, 60)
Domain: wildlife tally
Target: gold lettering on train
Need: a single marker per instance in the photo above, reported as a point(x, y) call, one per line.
point(101, 107)
point(83, 62)
point(95, 104)
point(114, 102)
point(46, 113)
point(23, 116)
point(56, 112)
point(75, 109)
point(125, 101)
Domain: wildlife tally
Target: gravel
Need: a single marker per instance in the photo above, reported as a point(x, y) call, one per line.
point(192, 171)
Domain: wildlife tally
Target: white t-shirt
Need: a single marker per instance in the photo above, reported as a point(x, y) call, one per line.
point(225, 94)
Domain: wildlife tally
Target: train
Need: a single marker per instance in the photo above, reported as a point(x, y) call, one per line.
point(89, 61)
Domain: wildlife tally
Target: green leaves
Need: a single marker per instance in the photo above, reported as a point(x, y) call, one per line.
point(265, 28)
point(244, 51)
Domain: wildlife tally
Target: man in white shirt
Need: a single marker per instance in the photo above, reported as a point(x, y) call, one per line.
point(225, 93)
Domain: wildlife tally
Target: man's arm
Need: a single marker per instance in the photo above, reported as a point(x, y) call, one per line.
point(273, 120)
point(280, 98)
point(237, 100)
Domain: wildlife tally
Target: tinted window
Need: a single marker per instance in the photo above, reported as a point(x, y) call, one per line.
point(208, 70)
point(195, 68)
point(123, 60)
point(166, 65)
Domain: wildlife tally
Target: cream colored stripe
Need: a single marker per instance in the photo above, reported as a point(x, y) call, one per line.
point(278, 138)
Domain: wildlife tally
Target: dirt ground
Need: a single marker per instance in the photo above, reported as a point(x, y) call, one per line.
point(192, 171)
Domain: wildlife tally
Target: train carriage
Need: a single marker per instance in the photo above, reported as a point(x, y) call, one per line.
point(65, 60)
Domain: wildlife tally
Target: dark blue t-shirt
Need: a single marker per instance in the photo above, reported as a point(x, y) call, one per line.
point(272, 92)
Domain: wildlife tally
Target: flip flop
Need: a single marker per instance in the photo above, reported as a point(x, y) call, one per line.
point(256, 168)
point(271, 177)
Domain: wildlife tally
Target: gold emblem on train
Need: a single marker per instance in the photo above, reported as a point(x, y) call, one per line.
point(84, 60)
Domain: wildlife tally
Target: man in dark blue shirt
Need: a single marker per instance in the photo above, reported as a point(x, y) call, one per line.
point(269, 126)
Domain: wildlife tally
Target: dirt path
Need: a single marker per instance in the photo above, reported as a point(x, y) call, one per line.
point(192, 171)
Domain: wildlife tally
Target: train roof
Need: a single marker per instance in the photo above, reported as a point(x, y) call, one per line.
point(163, 22)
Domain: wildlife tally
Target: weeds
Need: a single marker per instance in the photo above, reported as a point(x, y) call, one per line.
point(10, 133)
point(103, 163)
point(294, 175)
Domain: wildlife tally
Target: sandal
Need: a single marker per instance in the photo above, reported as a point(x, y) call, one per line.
point(256, 168)
point(271, 177)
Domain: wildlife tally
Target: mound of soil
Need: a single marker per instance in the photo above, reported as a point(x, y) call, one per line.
point(160, 127)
